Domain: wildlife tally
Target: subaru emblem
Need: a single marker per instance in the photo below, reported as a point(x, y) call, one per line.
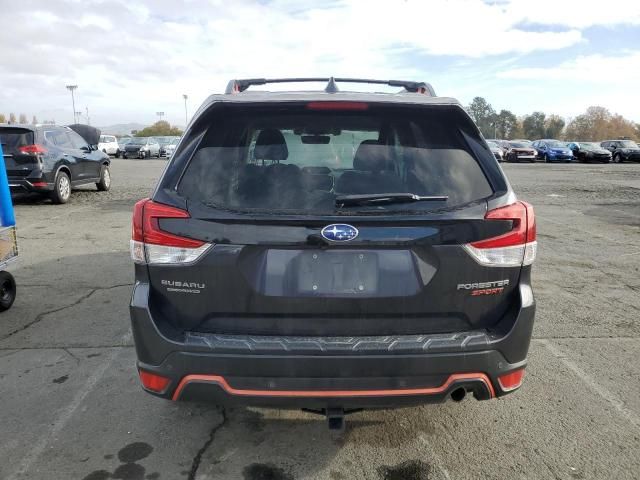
point(339, 232)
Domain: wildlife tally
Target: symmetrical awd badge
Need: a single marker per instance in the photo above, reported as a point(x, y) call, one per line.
point(339, 232)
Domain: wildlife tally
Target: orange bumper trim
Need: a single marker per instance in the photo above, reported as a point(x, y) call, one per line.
point(220, 381)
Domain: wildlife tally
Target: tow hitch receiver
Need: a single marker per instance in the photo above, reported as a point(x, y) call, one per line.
point(335, 419)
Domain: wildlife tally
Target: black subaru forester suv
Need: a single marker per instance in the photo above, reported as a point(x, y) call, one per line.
point(332, 251)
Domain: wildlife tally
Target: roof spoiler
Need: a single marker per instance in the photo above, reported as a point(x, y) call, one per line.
point(237, 86)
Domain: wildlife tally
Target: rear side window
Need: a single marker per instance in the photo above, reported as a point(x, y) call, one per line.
point(58, 138)
point(13, 138)
point(296, 160)
point(77, 141)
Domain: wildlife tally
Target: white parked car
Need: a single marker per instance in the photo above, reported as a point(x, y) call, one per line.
point(108, 144)
point(171, 147)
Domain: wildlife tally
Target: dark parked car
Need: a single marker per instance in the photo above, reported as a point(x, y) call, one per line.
point(122, 142)
point(520, 152)
point(332, 251)
point(622, 150)
point(141, 147)
point(553, 151)
point(590, 152)
point(51, 159)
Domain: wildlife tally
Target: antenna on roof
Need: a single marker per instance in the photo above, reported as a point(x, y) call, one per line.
point(331, 86)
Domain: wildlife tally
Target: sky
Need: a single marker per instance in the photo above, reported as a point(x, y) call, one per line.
point(133, 58)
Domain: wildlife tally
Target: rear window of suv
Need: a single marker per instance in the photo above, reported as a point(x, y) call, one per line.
point(289, 160)
point(14, 138)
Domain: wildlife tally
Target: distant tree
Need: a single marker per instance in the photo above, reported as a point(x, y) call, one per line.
point(553, 126)
point(158, 129)
point(133, 132)
point(3, 119)
point(506, 124)
point(34, 121)
point(621, 127)
point(484, 115)
point(597, 123)
point(12, 118)
point(23, 118)
point(533, 126)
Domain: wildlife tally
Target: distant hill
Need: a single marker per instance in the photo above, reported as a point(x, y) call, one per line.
point(121, 128)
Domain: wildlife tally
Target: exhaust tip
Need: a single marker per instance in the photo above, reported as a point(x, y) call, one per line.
point(458, 394)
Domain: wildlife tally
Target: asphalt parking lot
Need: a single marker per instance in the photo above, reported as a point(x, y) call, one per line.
point(71, 406)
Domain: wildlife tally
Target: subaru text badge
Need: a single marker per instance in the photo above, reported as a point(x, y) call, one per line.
point(339, 232)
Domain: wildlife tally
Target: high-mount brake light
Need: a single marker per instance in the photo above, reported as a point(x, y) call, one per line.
point(150, 244)
point(337, 105)
point(35, 149)
point(515, 248)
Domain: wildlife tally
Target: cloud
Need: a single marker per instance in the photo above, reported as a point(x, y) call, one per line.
point(133, 58)
point(599, 69)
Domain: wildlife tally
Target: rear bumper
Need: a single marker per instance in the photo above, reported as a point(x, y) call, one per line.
point(317, 373)
point(24, 185)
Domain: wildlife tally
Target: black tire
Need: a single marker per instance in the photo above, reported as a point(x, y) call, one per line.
point(61, 188)
point(617, 158)
point(124, 156)
point(105, 179)
point(7, 291)
point(546, 158)
point(117, 153)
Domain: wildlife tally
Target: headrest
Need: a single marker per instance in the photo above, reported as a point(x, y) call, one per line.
point(372, 157)
point(270, 145)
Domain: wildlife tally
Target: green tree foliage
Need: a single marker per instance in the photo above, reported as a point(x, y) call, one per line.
point(484, 115)
point(23, 118)
point(3, 119)
point(506, 125)
point(533, 126)
point(553, 126)
point(158, 129)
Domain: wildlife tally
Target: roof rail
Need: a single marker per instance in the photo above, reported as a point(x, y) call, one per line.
point(240, 85)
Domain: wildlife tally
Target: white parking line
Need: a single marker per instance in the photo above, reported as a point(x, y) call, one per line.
point(592, 383)
point(65, 414)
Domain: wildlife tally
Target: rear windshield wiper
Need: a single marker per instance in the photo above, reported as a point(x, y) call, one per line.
point(386, 199)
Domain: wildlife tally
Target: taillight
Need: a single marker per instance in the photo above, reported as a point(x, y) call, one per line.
point(153, 382)
point(150, 244)
point(32, 149)
point(516, 247)
point(511, 381)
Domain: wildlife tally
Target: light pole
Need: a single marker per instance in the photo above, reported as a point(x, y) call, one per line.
point(71, 88)
point(160, 115)
point(185, 96)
